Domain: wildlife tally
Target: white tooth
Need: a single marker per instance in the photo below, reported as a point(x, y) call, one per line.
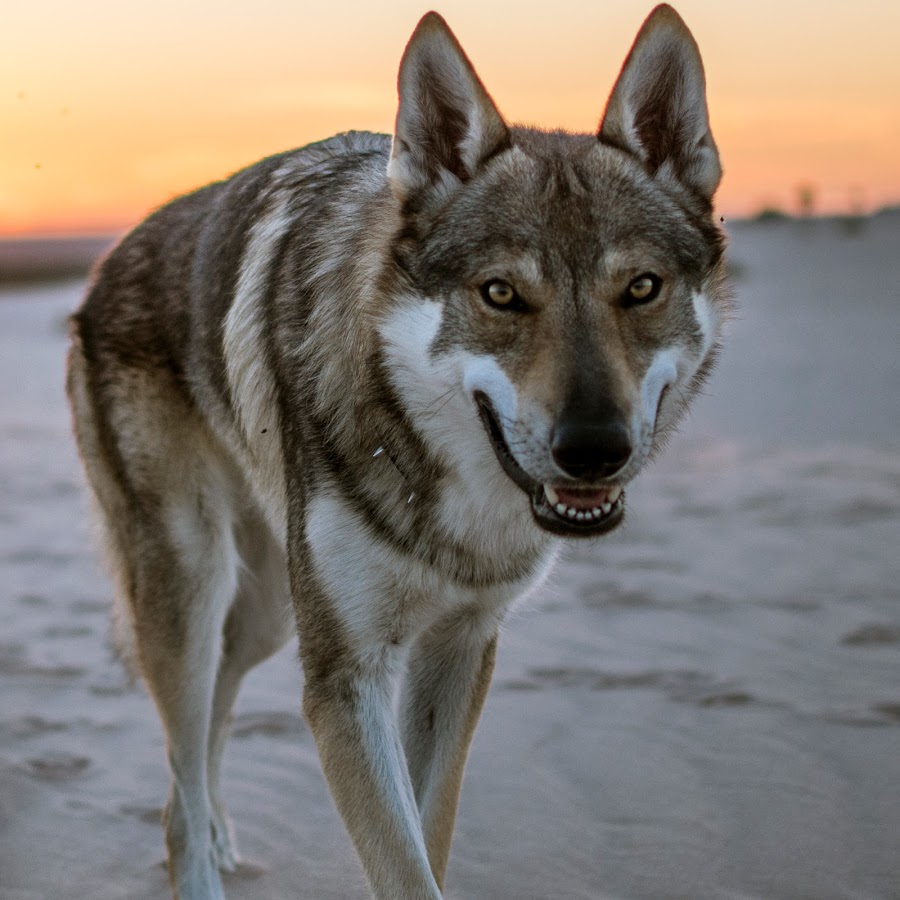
point(596, 510)
point(606, 507)
point(614, 492)
point(580, 516)
point(571, 513)
point(551, 495)
point(561, 508)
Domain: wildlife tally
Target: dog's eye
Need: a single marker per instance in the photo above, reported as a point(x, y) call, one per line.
point(642, 289)
point(502, 295)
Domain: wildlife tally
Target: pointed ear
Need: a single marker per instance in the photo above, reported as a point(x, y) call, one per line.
point(447, 125)
point(657, 110)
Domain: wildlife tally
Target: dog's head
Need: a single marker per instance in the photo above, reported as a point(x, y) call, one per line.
point(565, 290)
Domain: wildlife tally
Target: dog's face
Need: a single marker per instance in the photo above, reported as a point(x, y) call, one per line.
point(570, 286)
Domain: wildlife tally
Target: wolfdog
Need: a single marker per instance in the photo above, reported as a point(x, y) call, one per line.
point(361, 391)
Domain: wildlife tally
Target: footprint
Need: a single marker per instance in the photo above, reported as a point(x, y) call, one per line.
point(727, 698)
point(889, 710)
point(89, 606)
point(149, 815)
point(682, 686)
point(31, 726)
point(58, 766)
point(863, 511)
point(597, 680)
point(64, 631)
point(13, 662)
point(872, 635)
point(246, 870)
point(609, 595)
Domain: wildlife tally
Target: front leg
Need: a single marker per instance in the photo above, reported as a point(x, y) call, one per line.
point(450, 670)
point(347, 703)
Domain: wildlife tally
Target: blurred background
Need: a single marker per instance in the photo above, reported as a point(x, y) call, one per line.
point(110, 108)
point(705, 704)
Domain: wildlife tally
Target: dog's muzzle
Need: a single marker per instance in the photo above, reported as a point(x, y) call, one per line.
point(573, 508)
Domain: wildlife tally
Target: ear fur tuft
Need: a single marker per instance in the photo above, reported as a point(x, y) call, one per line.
point(447, 124)
point(657, 110)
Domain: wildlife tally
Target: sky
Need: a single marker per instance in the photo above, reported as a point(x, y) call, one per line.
point(111, 107)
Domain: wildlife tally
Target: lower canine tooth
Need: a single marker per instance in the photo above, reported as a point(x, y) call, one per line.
point(560, 508)
point(606, 507)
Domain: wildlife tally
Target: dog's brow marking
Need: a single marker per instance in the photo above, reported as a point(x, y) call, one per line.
point(527, 268)
point(613, 262)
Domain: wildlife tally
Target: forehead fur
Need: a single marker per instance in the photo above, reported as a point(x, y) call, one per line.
point(564, 199)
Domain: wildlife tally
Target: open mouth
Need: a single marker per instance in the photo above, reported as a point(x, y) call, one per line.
point(573, 510)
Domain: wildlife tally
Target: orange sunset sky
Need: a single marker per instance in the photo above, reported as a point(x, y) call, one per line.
point(111, 107)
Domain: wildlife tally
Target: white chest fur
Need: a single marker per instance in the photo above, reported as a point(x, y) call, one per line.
point(383, 596)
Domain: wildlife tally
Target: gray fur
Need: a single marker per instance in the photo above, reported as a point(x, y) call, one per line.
point(297, 409)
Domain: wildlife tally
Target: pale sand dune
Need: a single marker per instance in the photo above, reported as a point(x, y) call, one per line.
point(706, 704)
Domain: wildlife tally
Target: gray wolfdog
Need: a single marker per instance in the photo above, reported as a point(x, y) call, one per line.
point(360, 391)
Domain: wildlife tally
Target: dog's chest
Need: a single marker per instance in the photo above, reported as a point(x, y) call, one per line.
point(383, 595)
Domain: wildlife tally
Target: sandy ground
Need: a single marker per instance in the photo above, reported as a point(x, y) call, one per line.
point(704, 705)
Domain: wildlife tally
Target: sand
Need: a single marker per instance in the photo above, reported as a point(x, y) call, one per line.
point(705, 704)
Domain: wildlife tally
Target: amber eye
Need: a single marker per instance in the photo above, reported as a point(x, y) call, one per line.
point(502, 295)
point(642, 289)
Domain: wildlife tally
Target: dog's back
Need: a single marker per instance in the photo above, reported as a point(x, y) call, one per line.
point(160, 299)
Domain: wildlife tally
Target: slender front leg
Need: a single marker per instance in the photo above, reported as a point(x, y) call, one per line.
point(450, 670)
point(348, 707)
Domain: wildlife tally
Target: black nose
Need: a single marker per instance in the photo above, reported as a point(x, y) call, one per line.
point(590, 451)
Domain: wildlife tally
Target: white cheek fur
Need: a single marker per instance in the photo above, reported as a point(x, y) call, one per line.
point(409, 334)
point(663, 371)
point(483, 373)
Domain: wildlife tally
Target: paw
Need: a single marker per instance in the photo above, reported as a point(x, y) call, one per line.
point(193, 860)
point(200, 883)
point(224, 848)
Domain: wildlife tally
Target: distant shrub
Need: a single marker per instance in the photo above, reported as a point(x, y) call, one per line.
point(806, 200)
point(771, 214)
point(852, 226)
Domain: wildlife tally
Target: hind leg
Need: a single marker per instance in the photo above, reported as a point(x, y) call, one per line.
point(259, 624)
point(181, 676)
point(165, 492)
point(185, 578)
